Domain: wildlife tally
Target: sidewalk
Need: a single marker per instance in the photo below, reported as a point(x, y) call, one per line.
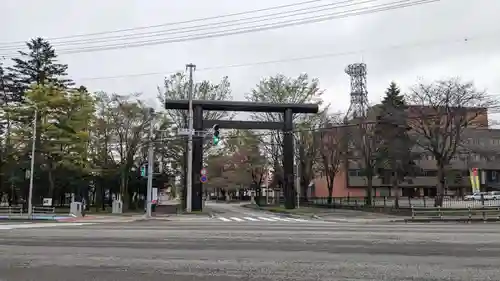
point(103, 218)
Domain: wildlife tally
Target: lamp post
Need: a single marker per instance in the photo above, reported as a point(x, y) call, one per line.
point(32, 166)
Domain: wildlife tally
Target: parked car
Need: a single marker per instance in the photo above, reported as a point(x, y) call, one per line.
point(476, 196)
point(494, 195)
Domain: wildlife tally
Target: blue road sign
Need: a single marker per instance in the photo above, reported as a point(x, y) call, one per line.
point(203, 179)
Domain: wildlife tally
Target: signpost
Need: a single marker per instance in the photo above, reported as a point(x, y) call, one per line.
point(185, 132)
point(203, 179)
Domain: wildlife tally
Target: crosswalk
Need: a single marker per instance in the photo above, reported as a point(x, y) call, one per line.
point(259, 219)
point(38, 225)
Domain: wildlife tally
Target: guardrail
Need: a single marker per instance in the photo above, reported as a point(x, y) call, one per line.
point(18, 212)
point(42, 210)
point(463, 214)
point(402, 202)
point(11, 210)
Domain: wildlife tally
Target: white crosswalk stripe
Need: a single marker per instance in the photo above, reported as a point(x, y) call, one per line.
point(266, 219)
point(260, 219)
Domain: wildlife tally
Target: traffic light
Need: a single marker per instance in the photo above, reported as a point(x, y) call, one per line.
point(216, 134)
point(143, 171)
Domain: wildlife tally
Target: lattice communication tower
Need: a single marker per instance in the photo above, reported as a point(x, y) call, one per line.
point(359, 94)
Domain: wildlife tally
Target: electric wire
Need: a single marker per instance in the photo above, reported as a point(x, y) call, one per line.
point(171, 23)
point(428, 43)
point(208, 26)
point(288, 23)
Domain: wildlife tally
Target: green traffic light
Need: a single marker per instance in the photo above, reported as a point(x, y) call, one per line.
point(216, 140)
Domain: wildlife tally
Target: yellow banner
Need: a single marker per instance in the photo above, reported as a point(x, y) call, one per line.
point(474, 179)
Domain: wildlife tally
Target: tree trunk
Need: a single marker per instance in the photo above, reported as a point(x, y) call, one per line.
point(330, 189)
point(123, 189)
point(438, 201)
point(51, 181)
point(395, 187)
point(303, 189)
point(369, 190)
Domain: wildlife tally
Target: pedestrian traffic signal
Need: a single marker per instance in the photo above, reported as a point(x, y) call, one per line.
point(216, 134)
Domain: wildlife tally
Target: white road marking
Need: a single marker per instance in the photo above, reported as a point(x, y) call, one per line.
point(266, 219)
point(299, 220)
point(281, 219)
point(260, 219)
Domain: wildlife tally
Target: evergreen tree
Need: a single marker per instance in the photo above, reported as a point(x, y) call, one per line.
point(6, 86)
point(393, 99)
point(38, 66)
point(395, 145)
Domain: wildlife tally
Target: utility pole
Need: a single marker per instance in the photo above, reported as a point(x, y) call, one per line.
point(32, 168)
point(150, 165)
point(189, 182)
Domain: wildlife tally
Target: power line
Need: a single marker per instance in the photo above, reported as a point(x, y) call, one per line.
point(172, 23)
point(256, 28)
point(461, 40)
point(262, 27)
point(207, 26)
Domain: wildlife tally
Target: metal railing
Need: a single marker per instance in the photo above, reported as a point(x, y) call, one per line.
point(467, 214)
point(12, 212)
point(403, 202)
point(42, 210)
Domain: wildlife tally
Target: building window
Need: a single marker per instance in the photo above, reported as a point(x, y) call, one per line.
point(430, 173)
point(355, 173)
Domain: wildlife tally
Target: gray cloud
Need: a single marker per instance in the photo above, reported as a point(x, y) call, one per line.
point(449, 21)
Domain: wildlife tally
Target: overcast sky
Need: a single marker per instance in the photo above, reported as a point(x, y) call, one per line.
point(467, 33)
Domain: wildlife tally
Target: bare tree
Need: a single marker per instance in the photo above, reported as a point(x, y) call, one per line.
point(282, 89)
point(176, 87)
point(129, 122)
point(331, 149)
point(363, 147)
point(307, 149)
point(439, 113)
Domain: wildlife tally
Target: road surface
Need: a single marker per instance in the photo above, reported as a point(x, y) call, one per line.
point(210, 249)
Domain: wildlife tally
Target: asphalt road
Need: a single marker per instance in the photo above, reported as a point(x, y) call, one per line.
point(213, 250)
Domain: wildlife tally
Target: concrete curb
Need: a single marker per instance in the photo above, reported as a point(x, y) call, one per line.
point(468, 220)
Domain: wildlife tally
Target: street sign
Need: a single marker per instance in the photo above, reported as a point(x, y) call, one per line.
point(203, 179)
point(185, 132)
point(203, 172)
